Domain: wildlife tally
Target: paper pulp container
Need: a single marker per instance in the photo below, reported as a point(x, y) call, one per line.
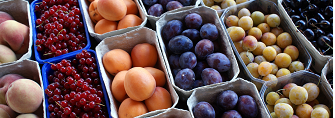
point(84, 4)
point(28, 69)
point(300, 78)
point(171, 113)
point(266, 7)
point(239, 86)
point(328, 68)
point(20, 12)
point(208, 16)
point(319, 60)
point(153, 19)
point(126, 42)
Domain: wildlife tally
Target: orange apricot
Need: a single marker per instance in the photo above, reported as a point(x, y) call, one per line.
point(131, 7)
point(104, 26)
point(117, 86)
point(161, 99)
point(130, 108)
point(158, 75)
point(129, 20)
point(116, 60)
point(93, 12)
point(112, 10)
point(144, 55)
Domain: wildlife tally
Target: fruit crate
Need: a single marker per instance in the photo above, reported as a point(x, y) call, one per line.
point(31, 70)
point(20, 12)
point(38, 55)
point(223, 46)
point(84, 4)
point(319, 60)
point(46, 71)
point(326, 71)
point(266, 7)
point(171, 113)
point(300, 78)
point(126, 42)
point(239, 86)
point(153, 19)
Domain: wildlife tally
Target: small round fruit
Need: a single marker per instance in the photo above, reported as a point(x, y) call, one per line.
point(172, 29)
point(241, 1)
point(284, 100)
point(218, 9)
point(282, 72)
point(172, 5)
point(238, 46)
point(292, 51)
point(204, 48)
point(193, 21)
point(298, 95)
point(209, 31)
point(185, 79)
point(243, 12)
point(277, 30)
point(203, 110)
point(144, 55)
point(283, 60)
point(256, 32)
point(249, 43)
point(104, 26)
point(117, 86)
point(264, 27)
point(247, 106)
point(158, 75)
point(232, 20)
point(278, 50)
point(227, 99)
point(264, 68)
point(187, 60)
point(162, 97)
point(273, 20)
point(319, 113)
point(180, 44)
point(270, 108)
point(208, 3)
point(323, 106)
point(130, 20)
point(273, 115)
point(156, 10)
point(227, 3)
point(253, 69)
point(93, 12)
point(284, 40)
point(270, 77)
point(271, 98)
point(269, 38)
point(116, 60)
point(274, 68)
point(283, 110)
point(269, 53)
point(219, 61)
point(112, 10)
point(130, 108)
point(259, 49)
point(210, 76)
point(231, 114)
point(245, 22)
point(296, 66)
point(313, 102)
point(287, 88)
point(257, 17)
point(312, 90)
point(247, 57)
point(236, 34)
point(304, 111)
point(259, 59)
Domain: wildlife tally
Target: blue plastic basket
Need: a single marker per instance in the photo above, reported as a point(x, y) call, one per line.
point(46, 70)
point(53, 59)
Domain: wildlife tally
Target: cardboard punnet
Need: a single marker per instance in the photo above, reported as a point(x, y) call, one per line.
point(300, 78)
point(239, 86)
point(266, 7)
point(153, 19)
point(208, 16)
point(84, 4)
point(30, 70)
point(20, 11)
point(328, 68)
point(319, 60)
point(171, 113)
point(126, 42)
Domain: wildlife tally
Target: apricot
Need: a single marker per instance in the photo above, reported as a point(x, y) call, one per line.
point(6, 54)
point(161, 99)
point(131, 7)
point(144, 55)
point(94, 13)
point(116, 60)
point(130, 108)
point(117, 86)
point(104, 26)
point(139, 84)
point(158, 75)
point(24, 96)
point(112, 10)
point(129, 20)
point(5, 16)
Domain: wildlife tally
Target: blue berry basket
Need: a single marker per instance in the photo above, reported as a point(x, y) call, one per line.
point(38, 56)
point(46, 70)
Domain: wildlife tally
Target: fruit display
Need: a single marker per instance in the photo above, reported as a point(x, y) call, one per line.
point(73, 87)
point(301, 94)
point(58, 29)
point(156, 8)
point(222, 4)
point(229, 100)
point(266, 49)
point(314, 19)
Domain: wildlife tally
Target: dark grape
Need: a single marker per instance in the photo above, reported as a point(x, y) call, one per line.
point(219, 61)
point(247, 106)
point(324, 24)
point(295, 18)
point(198, 83)
point(174, 61)
point(204, 48)
point(180, 44)
point(319, 32)
point(319, 17)
point(172, 5)
point(231, 114)
point(211, 76)
point(156, 10)
point(201, 65)
point(322, 42)
point(330, 36)
point(185, 79)
point(203, 110)
point(193, 21)
point(209, 31)
point(312, 22)
point(149, 2)
point(164, 2)
point(227, 100)
point(301, 24)
point(172, 29)
point(328, 11)
point(313, 8)
point(175, 71)
point(187, 60)
point(193, 34)
point(309, 34)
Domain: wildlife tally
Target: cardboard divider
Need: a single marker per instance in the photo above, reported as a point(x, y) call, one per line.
point(126, 42)
point(208, 16)
point(328, 68)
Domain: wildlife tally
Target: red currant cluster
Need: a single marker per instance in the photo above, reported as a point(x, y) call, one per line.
point(60, 29)
point(75, 89)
